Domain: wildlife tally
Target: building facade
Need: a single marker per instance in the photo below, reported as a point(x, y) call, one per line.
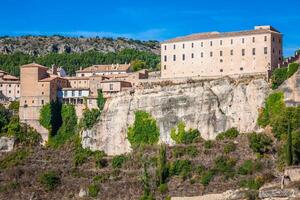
point(9, 87)
point(221, 54)
point(38, 88)
point(104, 70)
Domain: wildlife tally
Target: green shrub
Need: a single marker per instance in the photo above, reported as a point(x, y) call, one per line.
point(278, 77)
point(118, 161)
point(163, 188)
point(260, 142)
point(81, 155)
point(93, 190)
point(208, 144)
point(144, 130)
point(191, 151)
point(200, 169)
point(50, 117)
point(229, 134)
point(253, 184)
point(249, 167)
point(225, 165)
point(14, 158)
point(14, 106)
point(230, 147)
point(206, 177)
point(4, 116)
point(180, 136)
point(89, 119)
point(67, 129)
point(292, 68)
point(181, 168)
point(50, 180)
point(274, 105)
point(101, 178)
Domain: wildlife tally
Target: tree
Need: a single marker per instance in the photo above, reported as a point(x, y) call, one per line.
point(138, 65)
point(146, 184)
point(4, 116)
point(162, 169)
point(289, 147)
point(100, 100)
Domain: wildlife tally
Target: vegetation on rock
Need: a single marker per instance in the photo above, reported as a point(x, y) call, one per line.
point(181, 136)
point(281, 74)
point(50, 180)
point(144, 130)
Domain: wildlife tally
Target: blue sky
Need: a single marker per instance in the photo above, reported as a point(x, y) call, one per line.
point(141, 19)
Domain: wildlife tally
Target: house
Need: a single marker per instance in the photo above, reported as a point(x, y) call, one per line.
point(9, 87)
point(221, 54)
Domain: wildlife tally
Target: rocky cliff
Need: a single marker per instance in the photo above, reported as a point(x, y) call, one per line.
point(41, 45)
point(211, 106)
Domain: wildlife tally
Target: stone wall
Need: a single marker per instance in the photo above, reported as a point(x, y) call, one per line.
point(211, 106)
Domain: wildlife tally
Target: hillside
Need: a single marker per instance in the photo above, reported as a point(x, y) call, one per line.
point(42, 45)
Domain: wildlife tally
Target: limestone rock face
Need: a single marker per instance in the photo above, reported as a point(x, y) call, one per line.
point(291, 90)
point(6, 144)
point(211, 106)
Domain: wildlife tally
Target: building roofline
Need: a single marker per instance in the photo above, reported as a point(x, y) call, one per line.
point(30, 65)
point(215, 35)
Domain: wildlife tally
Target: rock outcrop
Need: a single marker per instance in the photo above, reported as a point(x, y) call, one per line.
point(211, 106)
point(42, 45)
point(291, 90)
point(6, 144)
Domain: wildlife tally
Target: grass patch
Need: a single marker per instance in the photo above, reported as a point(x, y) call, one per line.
point(49, 180)
point(13, 159)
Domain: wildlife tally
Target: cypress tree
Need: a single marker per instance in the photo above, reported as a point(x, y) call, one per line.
point(289, 146)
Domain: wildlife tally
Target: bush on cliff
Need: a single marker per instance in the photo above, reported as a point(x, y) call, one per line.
point(89, 118)
point(260, 142)
point(229, 134)
point(50, 117)
point(281, 74)
point(68, 127)
point(144, 130)
point(180, 136)
point(49, 180)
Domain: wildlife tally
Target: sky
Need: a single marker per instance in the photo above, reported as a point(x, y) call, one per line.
point(148, 20)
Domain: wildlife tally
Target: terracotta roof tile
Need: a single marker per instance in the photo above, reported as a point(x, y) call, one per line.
point(34, 65)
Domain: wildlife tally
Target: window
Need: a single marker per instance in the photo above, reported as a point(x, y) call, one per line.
point(174, 57)
point(279, 40)
point(165, 67)
point(82, 74)
point(42, 85)
point(241, 68)
point(165, 47)
point(243, 40)
point(221, 42)
point(192, 56)
point(231, 52)
point(9, 91)
point(165, 58)
point(201, 44)
point(211, 54)
point(231, 41)
point(221, 53)
point(265, 38)
point(253, 39)
point(18, 91)
point(183, 46)
point(266, 50)
point(221, 60)
point(73, 93)
point(183, 56)
point(174, 46)
point(201, 54)
point(111, 86)
point(253, 51)
point(79, 81)
point(192, 45)
point(9, 85)
point(79, 93)
point(273, 50)
point(42, 93)
point(32, 101)
point(90, 101)
point(243, 52)
point(221, 70)
point(42, 102)
point(65, 93)
point(211, 43)
point(1, 85)
point(273, 39)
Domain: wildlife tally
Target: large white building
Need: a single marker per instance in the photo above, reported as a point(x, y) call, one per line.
point(219, 54)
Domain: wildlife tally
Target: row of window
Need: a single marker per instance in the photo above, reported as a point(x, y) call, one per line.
point(221, 42)
point(73, 93)
point(9, 91)
point(1, 85)
point(243, 53)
